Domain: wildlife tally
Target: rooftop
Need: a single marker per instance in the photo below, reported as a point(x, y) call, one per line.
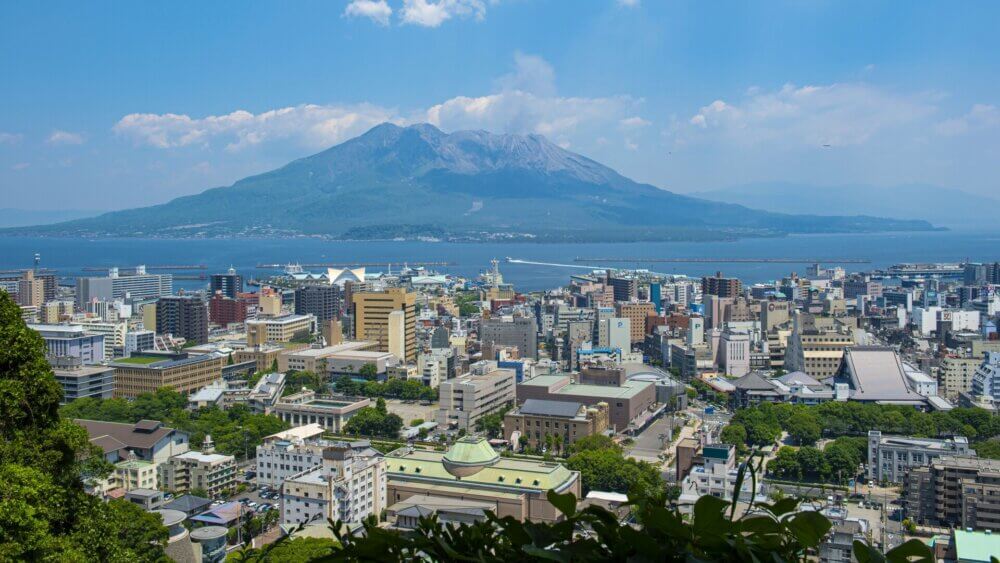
point(112, 436)
point(512, 474)
point(976, 546)
point(565, 409)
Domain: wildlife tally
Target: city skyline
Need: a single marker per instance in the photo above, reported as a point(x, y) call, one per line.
point(168, 103)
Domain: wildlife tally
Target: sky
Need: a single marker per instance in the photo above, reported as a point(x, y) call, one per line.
point(111, 105)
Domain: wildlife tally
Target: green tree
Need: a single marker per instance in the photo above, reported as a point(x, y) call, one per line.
point(371, 422)
point(492, 424)
point(368, 371)
point(607, 470)
point(734, 434)
point(298, 550)
point(45, 514)
point(804, 428)
point(594, 442)
point(785, 464)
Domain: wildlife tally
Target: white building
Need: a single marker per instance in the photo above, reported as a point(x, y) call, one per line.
point(139, 340)
point(986, 381)
point(348, 485)
point(717, 477)
point(891, 457)
point(619, 333)
point(735, 353)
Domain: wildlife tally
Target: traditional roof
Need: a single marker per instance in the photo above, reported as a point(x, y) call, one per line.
point(876, 373)
point(111, 436)
point(189, 504)
point(753, 381)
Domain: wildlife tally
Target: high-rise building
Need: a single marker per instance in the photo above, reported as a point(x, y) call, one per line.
point(510, 331)
point(322, 301)
point(466, 399)
point(230, 283)
point(954, 491)
point(372, 311)
point(636, 313)
point(624, 288)
point(138, 285)
point(30, 290)
point(279, 329)
point(71, 341)
point(184, 316)
point(224, 310)
point(720, 286)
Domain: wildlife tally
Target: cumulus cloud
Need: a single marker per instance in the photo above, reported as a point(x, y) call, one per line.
point(9, 138)
point(59, 137)
point(980, 117)
point(431, 13)
point(836, 114)
point(524, 101)
point(309, 124)
point(634, 122)
point(376, 10)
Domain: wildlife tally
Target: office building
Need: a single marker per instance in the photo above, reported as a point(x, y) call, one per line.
point(139, 340)
point(734, 356)
point(229, 284)
point(315, 359)
point(136, 286)
point(114, 335)
point(280, 329)
point(269, 302)
point(288, 453)
point(564, 421)
point(55, 312)
point(624, 288)
point(214, 473)
point(306, 407)
point(626, 402)
point(954, 491)
point(815, 351)
point(79, 381)
point(146, 374)
point(720, 286)
point(466, 399)
point(372, 311)
point(472, 471)
point(71, 341)
point(183, 316)
point(321, 301)
point(349, 485)
point(521, 332)
point(891, 457)
point(636, 314)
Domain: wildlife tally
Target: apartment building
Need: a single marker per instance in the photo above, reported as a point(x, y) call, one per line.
point(184, 316)
point(348, 485)
point(137, 285)
point(891, 457)
point(521, 332)
point(955, 375)
point(146, 374)
point(466, 399)
point(955, 491)
point(207, 470)
point(636, 313)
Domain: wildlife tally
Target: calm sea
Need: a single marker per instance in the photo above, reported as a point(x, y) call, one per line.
point(70, 256)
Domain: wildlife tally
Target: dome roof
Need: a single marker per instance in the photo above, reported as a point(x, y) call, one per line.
point(468, 456)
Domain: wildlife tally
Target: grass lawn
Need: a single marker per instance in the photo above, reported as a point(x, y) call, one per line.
point(139, 360)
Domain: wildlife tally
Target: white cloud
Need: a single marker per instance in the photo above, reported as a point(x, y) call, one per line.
point(9, 138)
point(431, 13)
point(981, 116)
point(309, 124)
point(59, 137)
point(628, 3)
point(836, 114)
point(525, 102)
point(634, 122)
point(376, 10)
point(20, 166)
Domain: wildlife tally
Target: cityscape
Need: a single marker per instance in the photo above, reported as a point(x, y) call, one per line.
point(342, 394)
point(495, 280)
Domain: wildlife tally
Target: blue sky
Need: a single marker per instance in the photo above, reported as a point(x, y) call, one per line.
point(114, 105)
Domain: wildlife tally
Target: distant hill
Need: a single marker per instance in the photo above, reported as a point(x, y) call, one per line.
point(947, 207)
point(469, 185)
point(11, 217)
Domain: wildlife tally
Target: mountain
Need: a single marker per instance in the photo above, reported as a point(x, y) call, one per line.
point(11, 217)
point(946, 207)
point(468, 185)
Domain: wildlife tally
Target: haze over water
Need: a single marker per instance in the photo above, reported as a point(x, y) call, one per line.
point(70, 256)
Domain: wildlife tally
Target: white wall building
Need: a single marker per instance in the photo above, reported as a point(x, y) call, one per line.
point(348, 485)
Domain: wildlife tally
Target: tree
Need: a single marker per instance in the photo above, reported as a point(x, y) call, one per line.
point(198, 492)
point(594, 442)
point(492, 424)
point(368, 371)
point(804, 428)
point(45, 514)
point(372, 422)
point(734, 434)
point(607, 470)
point(785, 464)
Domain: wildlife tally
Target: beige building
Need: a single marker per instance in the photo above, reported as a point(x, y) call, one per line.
point(55, 312)
point(149, 316)
point(30, 290)
point(269, 302)
point(464, 400)
point(565, 421)
point(373, 320)
point(955, 375)
point(279, 329)
point(955, 491)
point(264, 355)
point(331, 413)
point(206, 470)
point(636, 313)
point(315, 359)
point(472, 471)
point(817, 352)
point(144, 374)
